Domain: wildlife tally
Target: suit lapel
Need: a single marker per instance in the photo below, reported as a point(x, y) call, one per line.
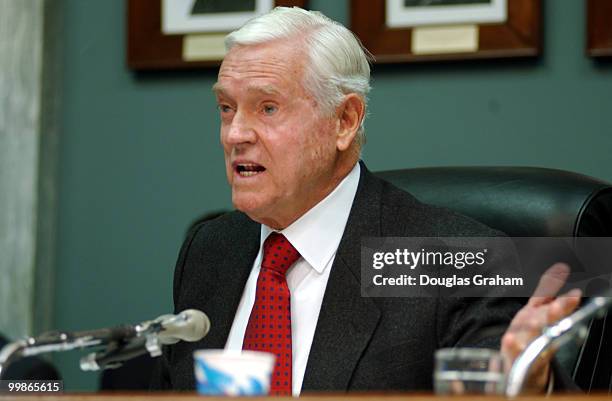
point(214, 283)
point(231, 269)
point(347, 320)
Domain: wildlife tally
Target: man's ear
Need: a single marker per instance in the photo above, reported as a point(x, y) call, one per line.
point(350, 114)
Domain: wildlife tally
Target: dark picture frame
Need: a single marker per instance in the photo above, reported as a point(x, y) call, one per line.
point(599, 28)
point(518, 36)
point(149, 48)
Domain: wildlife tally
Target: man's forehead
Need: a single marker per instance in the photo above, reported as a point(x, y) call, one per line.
point(269, 68)
point(274, 57)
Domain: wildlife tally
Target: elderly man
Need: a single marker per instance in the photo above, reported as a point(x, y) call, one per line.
point(281, 274)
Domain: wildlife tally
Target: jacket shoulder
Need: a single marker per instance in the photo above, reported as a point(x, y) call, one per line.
point(224, 227)
point(211, 237)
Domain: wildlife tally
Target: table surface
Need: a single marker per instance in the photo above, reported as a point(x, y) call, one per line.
point(185, 396)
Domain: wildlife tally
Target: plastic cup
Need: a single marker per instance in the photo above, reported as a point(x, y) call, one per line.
point(233, 373)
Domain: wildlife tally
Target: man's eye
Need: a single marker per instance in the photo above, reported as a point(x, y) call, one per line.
point(269, 109)
point(224, 108)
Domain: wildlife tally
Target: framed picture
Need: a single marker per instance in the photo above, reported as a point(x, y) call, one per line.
point(193, 16)
point(409, 13)
point(169, 34)
point(419, 30)
point(599, 28)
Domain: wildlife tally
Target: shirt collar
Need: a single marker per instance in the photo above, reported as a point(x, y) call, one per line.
point(317, 233)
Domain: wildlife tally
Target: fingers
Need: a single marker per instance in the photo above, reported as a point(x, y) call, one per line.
point(513, 343)
point(542, 310)
point(510, 345)
point(563, 305)
point(550, 283)
point(526, 325)
point(529, 322)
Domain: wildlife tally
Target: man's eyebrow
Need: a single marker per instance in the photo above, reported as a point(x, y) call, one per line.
point(267, 89)
point(217, 88)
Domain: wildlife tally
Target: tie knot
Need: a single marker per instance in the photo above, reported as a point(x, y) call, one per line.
point(278, 253)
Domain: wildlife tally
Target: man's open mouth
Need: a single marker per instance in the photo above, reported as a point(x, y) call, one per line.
point(249, 169)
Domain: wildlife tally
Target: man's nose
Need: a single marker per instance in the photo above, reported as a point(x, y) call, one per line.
point(241, 130)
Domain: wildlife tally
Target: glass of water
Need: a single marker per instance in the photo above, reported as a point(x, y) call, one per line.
point(469, 371)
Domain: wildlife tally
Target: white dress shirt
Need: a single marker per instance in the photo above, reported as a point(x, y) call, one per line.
point(316, 235)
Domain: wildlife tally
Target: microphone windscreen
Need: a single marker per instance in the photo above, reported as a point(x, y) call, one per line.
point(197, 326)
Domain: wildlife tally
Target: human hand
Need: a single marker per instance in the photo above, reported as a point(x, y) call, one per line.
point(543, 309)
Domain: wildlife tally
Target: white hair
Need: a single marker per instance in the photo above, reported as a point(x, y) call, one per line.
point(338, 62)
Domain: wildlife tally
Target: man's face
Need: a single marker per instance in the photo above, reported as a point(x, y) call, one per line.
point(280, 147)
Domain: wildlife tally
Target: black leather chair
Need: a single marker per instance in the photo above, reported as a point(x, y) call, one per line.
point(530, 202)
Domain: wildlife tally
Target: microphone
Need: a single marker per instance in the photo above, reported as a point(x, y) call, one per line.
point(113, 357)
point(190, 325)
point(123, 342)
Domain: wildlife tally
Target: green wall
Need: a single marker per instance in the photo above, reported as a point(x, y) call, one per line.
point(140, 157)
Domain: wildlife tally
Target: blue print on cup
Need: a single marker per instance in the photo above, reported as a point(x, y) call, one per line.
point(211, 381)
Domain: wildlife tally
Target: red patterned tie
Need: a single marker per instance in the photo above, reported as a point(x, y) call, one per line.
point(269, 327)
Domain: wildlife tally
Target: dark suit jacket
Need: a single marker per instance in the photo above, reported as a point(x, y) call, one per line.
point(360, 343)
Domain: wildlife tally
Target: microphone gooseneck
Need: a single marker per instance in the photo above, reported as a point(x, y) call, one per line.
point(121, 342)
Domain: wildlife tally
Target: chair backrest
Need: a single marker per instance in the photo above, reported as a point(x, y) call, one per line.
point(520, 201)
point(529, 202)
